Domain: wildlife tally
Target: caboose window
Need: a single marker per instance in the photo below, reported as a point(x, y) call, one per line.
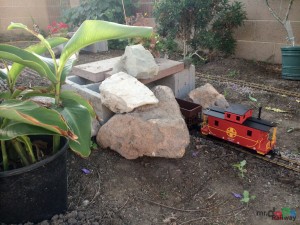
point(228, 115)
point(249, 133)
point(238, 118)
point(216, 123)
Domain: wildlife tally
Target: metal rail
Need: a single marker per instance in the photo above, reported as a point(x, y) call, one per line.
point(275, 159)
point(272, 158)
point(251, 84)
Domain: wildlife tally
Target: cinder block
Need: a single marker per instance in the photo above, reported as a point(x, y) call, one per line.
point(97, 47)
point(89, 91)
point(181, 83)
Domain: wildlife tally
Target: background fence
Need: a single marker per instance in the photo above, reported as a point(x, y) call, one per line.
point(260, 38)
point(42, 12)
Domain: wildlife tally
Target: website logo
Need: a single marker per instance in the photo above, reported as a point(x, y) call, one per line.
point(283, 214)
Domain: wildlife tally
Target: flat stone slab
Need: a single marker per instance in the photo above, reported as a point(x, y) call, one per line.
point(95, 71)
point(98, 71)
point(166, 68)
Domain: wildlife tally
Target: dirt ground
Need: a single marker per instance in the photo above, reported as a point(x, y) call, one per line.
point(201, 187)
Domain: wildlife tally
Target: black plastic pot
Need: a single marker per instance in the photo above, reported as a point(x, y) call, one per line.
point(36, 192)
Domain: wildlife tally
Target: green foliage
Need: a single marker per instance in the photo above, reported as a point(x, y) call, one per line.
point(246, 197)
point(157, 45)
point(233, 73)
point(64, 113)
point(108, 10)
point(257, 104)
point(241, 167)
point(118, 44)
point(200, 24)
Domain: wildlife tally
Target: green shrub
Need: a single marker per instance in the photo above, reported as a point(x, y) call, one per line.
point(108, 10)
point(200, 24)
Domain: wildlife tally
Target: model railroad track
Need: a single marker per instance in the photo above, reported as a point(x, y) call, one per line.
point(272, 158)
point(251, 84)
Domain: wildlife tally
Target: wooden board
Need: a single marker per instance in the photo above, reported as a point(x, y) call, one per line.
point(100, 70)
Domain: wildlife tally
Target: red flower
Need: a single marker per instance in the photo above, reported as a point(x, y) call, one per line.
point(57, 27)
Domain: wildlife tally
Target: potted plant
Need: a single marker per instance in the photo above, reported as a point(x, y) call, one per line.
point(34, 133)
point(290, 54)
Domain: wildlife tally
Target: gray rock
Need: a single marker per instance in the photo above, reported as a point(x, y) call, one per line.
point(208, 96)
point(123, 93)
point(137, 62)
point(153, 130)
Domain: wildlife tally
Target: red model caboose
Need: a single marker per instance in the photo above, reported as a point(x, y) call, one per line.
point(236, 124)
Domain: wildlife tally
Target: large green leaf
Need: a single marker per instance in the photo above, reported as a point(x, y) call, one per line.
point(15, 129)
point(31, 113)
point(37, 92)
point(65, 95)
point(26, 58)
point(5, 95)
point(66, 69)
point(39, 48)
point(3, 74)
point(79, 120)
point(92, 31)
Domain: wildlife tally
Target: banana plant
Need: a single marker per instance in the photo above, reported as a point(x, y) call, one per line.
point(65, 113)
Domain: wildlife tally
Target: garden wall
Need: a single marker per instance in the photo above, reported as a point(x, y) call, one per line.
point(42, 12)
point(262, 36)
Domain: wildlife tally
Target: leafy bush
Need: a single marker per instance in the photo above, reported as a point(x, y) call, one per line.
point(108, 10)
point(200, 24)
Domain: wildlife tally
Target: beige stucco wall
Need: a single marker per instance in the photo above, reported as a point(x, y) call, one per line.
point(262, 36)
point(42, 12)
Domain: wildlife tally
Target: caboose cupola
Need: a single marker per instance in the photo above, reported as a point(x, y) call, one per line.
point(238, 113)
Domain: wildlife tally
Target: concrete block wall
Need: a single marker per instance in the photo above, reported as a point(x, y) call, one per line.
point(43, 12)
point(181, 84)
point(90, 91)
point(262, 37)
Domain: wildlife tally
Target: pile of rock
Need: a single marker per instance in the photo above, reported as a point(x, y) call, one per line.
point(146, 122)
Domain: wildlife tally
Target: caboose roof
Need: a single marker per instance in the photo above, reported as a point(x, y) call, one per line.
point(259, 124)
point(237, 109)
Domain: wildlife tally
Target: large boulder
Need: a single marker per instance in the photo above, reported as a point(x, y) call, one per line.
point(208, 96)
point(137, 62)
point(152, 130)
point(123, 93)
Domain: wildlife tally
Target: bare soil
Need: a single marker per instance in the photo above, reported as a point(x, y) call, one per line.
point(198, 188)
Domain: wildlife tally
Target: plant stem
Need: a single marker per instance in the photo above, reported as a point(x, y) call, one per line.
point(4, 156)
point(19, 149)
point(56, 143)
point(124, 12)
point(57, 94)
point(28, 147)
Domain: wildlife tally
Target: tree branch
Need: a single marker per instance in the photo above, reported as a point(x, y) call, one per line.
point(286, 14)
point(288, 10)
point(273, 13)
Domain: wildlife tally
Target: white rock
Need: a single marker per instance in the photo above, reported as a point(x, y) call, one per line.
point(123, 93)
point(208, 96)
point(152, 130)
point(137, 62)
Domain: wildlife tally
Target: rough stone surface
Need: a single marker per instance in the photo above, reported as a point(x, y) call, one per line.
point(137, 62)
point(153, 130)
point(208, 96)
point(123, 93)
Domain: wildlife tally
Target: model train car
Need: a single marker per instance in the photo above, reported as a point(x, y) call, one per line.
point(235, 124)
